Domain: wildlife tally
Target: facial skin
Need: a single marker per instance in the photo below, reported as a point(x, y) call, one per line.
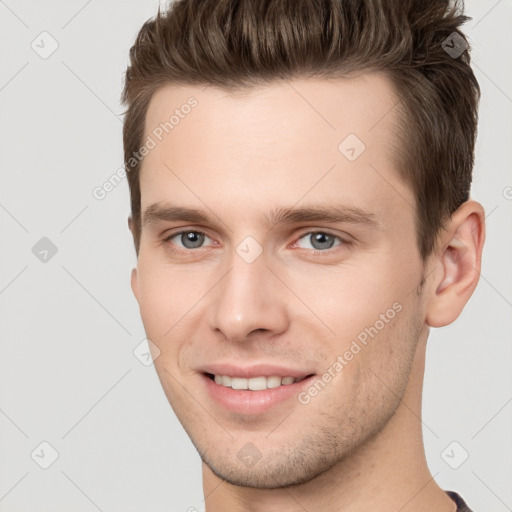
point(357, 444)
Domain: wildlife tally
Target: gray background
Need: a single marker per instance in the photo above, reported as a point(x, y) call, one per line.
point(69, 325)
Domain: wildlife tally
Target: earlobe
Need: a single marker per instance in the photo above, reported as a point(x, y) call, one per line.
point(460, 264)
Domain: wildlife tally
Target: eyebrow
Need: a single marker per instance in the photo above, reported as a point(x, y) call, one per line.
point(158, 212)
point(321, 213)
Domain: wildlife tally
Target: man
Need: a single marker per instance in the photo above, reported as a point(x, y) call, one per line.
point(299, 175)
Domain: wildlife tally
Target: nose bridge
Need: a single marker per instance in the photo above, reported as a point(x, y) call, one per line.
point(248, 297)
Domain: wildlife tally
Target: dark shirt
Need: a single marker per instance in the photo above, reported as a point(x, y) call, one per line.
point(461, 504)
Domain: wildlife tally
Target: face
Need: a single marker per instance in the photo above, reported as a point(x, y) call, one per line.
point(279, 241)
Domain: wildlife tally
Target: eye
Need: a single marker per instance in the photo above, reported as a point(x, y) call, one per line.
point(319, 240)
point(188, 239)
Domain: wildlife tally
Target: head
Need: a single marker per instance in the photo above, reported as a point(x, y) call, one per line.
point(324, 152)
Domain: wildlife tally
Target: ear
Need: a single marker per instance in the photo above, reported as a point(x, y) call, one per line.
point(133, 280)
point(457, 264)
point(134, 284)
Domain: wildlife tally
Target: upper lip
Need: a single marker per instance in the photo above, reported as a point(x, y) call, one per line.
point(256, 370)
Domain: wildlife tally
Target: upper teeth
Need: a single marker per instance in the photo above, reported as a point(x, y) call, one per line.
point(254, 383)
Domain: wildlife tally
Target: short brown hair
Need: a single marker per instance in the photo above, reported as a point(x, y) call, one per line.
point(236, 44)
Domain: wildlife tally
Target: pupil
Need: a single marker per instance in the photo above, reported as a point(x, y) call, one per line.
point(192, 240)
point(322, 241)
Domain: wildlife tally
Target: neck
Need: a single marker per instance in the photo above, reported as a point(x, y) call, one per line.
point(388, 472)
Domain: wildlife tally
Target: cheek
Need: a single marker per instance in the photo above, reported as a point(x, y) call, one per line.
point(167, 294)
point(171, 309)
point(349, 300)
point(369, 316)
point(376, 364)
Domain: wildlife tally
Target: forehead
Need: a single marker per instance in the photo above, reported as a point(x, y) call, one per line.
point(355, 104)
point(280, 141)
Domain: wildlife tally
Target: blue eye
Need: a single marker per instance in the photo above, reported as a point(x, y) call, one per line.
point(189, 239)
point(320, 240)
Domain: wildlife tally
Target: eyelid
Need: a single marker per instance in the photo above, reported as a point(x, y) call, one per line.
point(168, 237)
point(343, 240)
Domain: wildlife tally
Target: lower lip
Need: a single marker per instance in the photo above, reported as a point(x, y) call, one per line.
point(242, 401)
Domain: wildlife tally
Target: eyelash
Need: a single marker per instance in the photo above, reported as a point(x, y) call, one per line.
point(316, 252)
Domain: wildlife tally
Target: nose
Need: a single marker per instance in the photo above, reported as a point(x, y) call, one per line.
point(248, 299)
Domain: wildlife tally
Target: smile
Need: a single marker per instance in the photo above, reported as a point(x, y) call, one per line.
point(254, 383)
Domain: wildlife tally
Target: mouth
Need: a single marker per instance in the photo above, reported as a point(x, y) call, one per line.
point(253, 395)
point(260, 383)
